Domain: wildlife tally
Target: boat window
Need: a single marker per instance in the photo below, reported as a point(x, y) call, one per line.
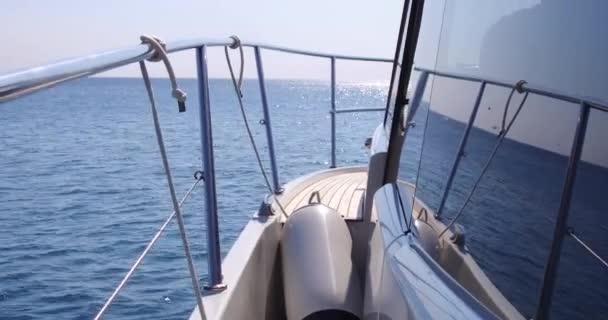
point(483, 52)
point(426, 55)
point(393, 88)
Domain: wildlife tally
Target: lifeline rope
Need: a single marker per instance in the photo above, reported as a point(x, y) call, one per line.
point(176, 207)
point(198, 178)
point(239, 93)
point(584, 245)
point(519, 87)
point(236, 44)
point(501, 136)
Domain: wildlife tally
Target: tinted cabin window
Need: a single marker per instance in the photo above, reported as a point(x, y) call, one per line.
point(557, 45)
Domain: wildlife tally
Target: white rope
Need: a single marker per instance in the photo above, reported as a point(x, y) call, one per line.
point(239, 94)
point(584, 245)
point(176, 208)
point(161, 54)
point(141, 257)
point(237, 44)
point(501, 137)
point(519, 87)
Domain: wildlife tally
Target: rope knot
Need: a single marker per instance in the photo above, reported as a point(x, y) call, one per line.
point(236, 43)
point(199, 175)
point(157, 45)
point(179, 94)
point(160, 54)
point(519, 86)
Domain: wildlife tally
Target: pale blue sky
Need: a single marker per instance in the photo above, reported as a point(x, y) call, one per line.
point(36, 32)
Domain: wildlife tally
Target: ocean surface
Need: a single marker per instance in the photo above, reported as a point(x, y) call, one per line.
point(82, 191)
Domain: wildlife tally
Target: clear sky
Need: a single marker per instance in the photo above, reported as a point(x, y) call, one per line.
point(523, 39)
point(34, 32)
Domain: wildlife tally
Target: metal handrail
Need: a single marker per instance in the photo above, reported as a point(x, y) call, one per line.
point(560, 230)
point(555, 94)
point(316, 53)
point(20, 83)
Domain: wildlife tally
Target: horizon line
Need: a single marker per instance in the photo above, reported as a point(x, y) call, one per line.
point(382, 82)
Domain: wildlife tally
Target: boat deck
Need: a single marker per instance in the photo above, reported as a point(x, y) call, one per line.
point(341, 189)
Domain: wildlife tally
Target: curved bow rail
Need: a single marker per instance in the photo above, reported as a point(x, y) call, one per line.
point(20, 83)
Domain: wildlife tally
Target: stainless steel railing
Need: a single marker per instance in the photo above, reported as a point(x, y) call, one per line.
point(18, 84)
point(526, 88)
point(561, 228)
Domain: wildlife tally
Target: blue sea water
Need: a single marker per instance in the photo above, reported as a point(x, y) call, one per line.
point(82, 188)
point(82, 191)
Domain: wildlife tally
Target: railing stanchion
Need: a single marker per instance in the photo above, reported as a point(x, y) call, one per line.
point(460, 152)
point(561, 224)
point(333, 112)
point(273, 161)
point(213, 243)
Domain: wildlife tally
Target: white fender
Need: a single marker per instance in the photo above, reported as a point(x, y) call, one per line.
point(318, 273)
